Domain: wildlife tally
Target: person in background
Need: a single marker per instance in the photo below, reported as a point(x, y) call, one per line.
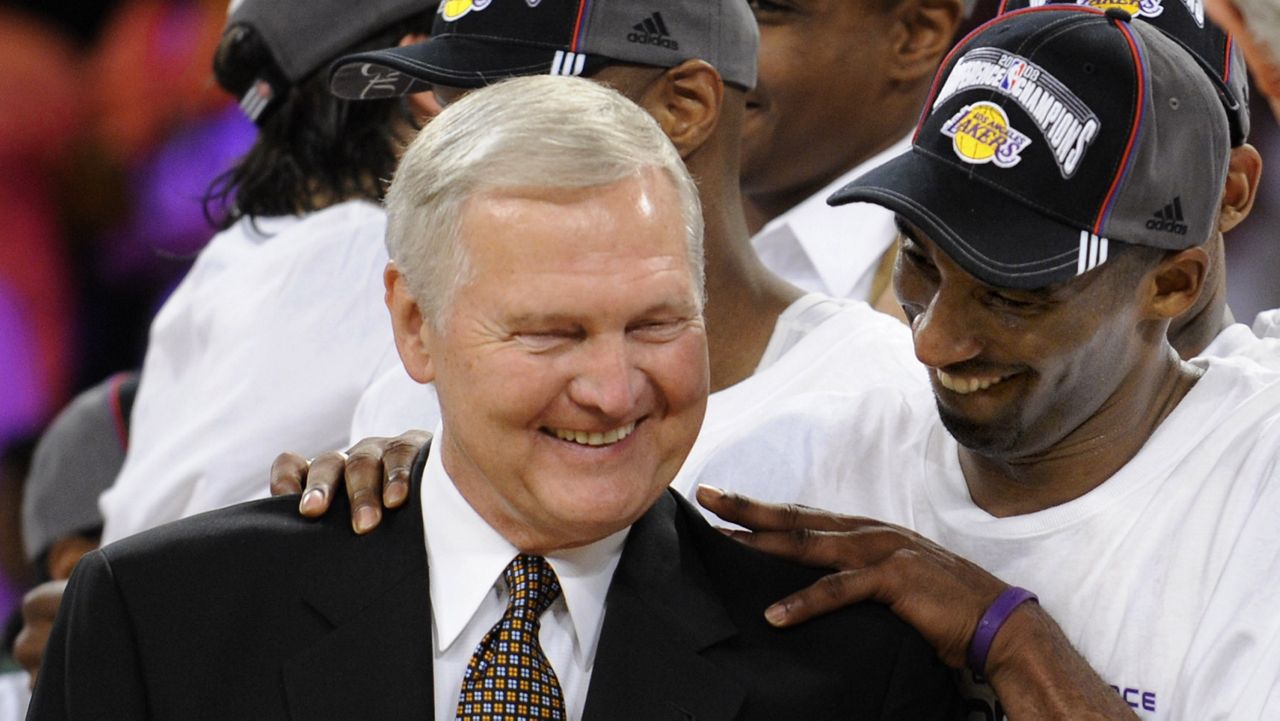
point(841, 85)
point(1256, 26)
point(293, 274)
point(76, 458)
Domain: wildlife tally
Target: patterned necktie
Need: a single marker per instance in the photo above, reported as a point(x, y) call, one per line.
point(509, 678)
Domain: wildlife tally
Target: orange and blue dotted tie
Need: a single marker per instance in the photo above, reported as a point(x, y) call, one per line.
point(509, 677)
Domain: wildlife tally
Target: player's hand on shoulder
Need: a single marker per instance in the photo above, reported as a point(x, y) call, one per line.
point(375, 473)
point(939, 593)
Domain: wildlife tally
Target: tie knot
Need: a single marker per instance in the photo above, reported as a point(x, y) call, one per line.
point(532, 584)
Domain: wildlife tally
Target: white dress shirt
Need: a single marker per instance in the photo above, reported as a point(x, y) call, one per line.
point(831, 250)
point(466, 558)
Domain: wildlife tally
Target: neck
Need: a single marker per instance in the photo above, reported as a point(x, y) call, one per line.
point(1088, 455)
point(1196, 330)
point(764, 206)
point(744, 298)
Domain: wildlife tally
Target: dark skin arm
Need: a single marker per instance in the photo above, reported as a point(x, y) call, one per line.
point(1035, 672)
point(375, 472)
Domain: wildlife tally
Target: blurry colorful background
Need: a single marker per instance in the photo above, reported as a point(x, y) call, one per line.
point(110, 130)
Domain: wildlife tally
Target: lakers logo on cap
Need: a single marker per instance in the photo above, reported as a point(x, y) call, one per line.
point(980, 133)
point(1136, 8)
point(451, 10)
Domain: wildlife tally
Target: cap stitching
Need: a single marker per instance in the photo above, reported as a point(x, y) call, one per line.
point(1140, 68)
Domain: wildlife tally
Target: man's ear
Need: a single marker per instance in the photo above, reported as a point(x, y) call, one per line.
point(412, 333)
point(1241, 189)
point(922, 35)
point(1175, 284)
point(686, 102)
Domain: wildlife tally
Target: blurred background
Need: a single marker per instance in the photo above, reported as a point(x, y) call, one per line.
point(111, 129)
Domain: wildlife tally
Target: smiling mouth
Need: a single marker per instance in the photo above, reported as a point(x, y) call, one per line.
point(965, 386)
point(593, 438)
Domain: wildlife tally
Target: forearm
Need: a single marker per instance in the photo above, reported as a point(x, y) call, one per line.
point(1038, 676)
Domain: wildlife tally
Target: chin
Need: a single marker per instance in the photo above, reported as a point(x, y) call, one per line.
point(993, 439)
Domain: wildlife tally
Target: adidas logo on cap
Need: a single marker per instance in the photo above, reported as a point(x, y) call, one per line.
point(1169, 218)
point(652, 31)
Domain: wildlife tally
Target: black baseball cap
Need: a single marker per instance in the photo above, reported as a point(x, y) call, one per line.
point(1051, 133)
point(1185, 22)
point(477, 42)
point(303, 36)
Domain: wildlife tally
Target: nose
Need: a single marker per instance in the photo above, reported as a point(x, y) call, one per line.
point(607, 379)
point(944, 334)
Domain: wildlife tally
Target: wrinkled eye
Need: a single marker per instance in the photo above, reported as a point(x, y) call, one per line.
point(657, 331)
point(544, 340)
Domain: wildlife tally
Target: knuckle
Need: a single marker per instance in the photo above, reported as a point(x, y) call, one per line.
point(362, 496)
point(362, 462)
point(903, 557)
point(832, 586)
point(791, 514)
point(803, 538)
point(402, 446)
point(372, 443)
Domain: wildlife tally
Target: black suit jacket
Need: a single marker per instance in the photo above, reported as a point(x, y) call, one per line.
point(252, 612)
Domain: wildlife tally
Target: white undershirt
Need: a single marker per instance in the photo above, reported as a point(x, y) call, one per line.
point(466, 558)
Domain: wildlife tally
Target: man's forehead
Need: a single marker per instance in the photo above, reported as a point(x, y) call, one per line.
point(918, 236)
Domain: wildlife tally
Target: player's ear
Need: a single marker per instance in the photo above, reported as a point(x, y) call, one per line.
point(1241, 189)
point(1175, 283)
point(686, 102)
point(413, 333)
point(923, 31)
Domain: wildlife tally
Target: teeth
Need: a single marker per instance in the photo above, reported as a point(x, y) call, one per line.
point(595, 439)
point(964, 386)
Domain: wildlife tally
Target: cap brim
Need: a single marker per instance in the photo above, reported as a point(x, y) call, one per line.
point(455, 61)
point(990, 234)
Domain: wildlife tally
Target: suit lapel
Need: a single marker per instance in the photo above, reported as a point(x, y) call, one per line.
point(376, 662)
point(661, 614)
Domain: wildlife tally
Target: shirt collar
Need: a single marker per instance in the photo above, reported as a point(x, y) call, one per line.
point(466, 558)
point(843, 242)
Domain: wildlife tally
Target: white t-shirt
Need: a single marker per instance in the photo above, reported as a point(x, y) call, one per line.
point(266, 345)
point(1237, 341)
point(818, 344)
point(1166, 577)
point(1267, 324)
point(831, 250)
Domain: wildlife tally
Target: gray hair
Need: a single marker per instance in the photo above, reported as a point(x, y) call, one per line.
point(532, 132)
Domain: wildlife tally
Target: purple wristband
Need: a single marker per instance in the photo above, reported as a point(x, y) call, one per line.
point(997, 613)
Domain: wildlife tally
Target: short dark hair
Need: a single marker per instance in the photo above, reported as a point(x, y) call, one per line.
point(313, 149)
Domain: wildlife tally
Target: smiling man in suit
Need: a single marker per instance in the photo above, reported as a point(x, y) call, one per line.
point(547, 277)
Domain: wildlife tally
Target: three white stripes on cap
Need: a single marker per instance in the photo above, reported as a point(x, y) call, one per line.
point(1093, 252)
point(568, 63)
